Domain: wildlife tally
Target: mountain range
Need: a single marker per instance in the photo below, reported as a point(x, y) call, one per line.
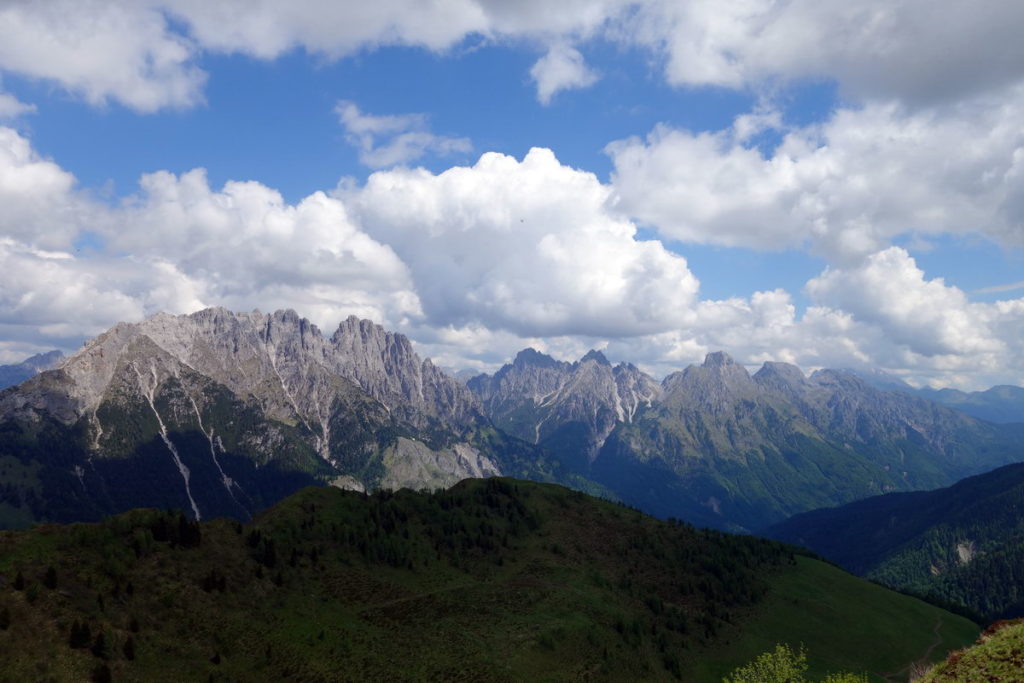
point(219, 413)
point(1002, 403)
point(222, 413)
point(717, 446)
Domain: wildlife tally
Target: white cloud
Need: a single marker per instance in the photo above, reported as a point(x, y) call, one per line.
point(251, 249)
point(845, 187)
point(11, 107)
point(56, 296)
point(178, 246)
point(905, 49)
point(394, 139)
point(132, 51)
point(39, 205)
point(561, 68)
point(528, 246)
point(101, 50)
point(474, 263)
point(928, 317)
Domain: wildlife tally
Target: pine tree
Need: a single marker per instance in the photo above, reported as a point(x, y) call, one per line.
point(129, 649)
point(99, 646)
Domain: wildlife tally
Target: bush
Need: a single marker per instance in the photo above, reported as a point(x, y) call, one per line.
point(783, 665)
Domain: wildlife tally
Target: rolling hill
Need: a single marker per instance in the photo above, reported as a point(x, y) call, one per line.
point(493, 579)
point(963, 544)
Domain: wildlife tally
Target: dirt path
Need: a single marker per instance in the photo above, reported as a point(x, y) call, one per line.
point(902, 675)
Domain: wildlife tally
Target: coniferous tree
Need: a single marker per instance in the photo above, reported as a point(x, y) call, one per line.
point(102, 674)
point(129, 649)
point(99, 646)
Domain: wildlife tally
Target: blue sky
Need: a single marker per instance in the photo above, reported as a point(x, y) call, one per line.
point(749, 178)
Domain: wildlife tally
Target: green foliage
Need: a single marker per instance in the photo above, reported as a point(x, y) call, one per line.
point(963, 545)
point(784, 665)
point(491, 580)
point(997, 656)
point(781, 665)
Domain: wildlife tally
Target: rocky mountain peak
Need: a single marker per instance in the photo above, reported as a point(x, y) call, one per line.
point(717, 359)
point(531, 356)
point(282, 360)
point(596, 357)
point(776, 373)
point(716, 384)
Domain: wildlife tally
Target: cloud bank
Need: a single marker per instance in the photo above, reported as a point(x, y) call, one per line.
point(474, 262)
point(145, 54)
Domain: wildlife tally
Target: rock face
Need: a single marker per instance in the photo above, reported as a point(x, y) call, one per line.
point(284, 362)
point(570, 408)
point(716, 446)
point(236, 409)
point(19, 372)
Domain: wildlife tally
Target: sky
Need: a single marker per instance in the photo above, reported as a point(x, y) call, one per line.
point(832, 183)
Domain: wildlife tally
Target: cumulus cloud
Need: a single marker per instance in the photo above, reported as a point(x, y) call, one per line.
point(875, 49)
point(177, 246)
point(251, 248)
point(474, 263)
point(845, 187)
point(39, 204)
point(927, 316)
point(120, 50)
point(394, 139)
point(529, 246)
point(561, 68)
point(55, 296)
point(144, 54)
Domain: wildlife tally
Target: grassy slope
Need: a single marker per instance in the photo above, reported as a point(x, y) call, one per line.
point(910, 540)
point(845, 623)
point(490, 581)
point(997, 656)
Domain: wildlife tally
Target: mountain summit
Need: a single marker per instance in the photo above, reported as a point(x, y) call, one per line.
point(714, 445)
point(222, 413)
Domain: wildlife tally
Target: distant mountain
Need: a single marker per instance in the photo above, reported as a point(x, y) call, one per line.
point(222, 413)
point(493, 580)
point(963, 544)
point(1002, 404)
point(19, 372)
point(714, 445)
